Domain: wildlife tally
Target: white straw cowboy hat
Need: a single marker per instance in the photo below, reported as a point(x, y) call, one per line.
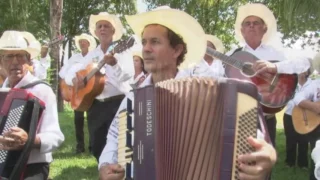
point(137, 53)
point(260, 11)
point(179, 22)
point(90, 39)
point(14, 40)
point(216, 42)
point(104, 16)
point(32, 42)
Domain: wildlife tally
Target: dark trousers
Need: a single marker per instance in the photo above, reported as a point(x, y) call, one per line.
point(79, 123)
point(100, 116)
point(294, 142)
point(313, 137)
point(271, 123)
point(37, 171)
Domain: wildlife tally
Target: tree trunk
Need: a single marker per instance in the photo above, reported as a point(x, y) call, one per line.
point(56, 7)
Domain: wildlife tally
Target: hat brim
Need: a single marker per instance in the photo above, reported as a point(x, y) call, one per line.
point(115, 21)
point(33, 52)
point(260, 11)
point(179, 22)
point(90, 39)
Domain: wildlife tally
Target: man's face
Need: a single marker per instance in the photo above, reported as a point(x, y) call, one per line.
point(104, 30)
point(15, 63)
point(157, 52)
point(253, 28)
point(207, 57)
point(84, 45)
point(137, 62)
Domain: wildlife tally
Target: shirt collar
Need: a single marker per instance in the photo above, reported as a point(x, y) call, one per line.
point(148, 80)
point(259, 47)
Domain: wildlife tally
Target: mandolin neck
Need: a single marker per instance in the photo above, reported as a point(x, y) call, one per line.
point(226, 59)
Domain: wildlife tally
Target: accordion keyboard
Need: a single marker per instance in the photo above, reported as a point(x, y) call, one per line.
point(125, 141)
point(12, 121)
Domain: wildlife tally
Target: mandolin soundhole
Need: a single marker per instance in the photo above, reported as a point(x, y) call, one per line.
point(247, 70)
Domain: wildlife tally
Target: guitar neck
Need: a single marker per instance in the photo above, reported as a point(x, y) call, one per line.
point(226, 59)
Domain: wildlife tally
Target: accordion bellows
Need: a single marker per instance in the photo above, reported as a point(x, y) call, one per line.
point(188, 129)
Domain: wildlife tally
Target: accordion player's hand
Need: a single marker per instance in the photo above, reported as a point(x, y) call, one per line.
point(14, 139)
point(257, 165)
point(111, 172)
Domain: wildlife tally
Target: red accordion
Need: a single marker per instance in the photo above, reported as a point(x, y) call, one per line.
point(19, 108)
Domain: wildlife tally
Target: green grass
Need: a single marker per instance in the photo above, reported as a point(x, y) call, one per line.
point(68, 166)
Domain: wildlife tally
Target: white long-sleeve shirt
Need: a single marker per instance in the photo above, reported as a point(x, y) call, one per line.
point(300, 88)
point(73, 65)
point(268, 53)
point(312, 93)
point(49, 132)
point(117, 76)
point(40, 67)
point(203, 69)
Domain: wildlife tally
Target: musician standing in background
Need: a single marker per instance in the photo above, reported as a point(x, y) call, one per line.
point(169, 43)
point(84, 43)
point(41, 66)
point(295, 142)
point(309, 99)
point(118, 70)
point(139, 72)
point(16, 60)
point(255, 26)
point(209, 66)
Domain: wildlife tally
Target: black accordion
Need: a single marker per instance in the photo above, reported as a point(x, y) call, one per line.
point(19, 108)
point(192, 128)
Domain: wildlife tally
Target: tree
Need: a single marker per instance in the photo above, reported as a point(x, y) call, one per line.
point(56, 7)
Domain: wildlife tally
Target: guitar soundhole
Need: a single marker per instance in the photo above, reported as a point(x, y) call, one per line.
point(247, 70)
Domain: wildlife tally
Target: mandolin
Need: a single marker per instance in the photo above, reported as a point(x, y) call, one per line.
point(275, 89)
point(82, 99)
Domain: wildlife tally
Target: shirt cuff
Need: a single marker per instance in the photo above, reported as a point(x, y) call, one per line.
point(280, 69)
point(107, 157)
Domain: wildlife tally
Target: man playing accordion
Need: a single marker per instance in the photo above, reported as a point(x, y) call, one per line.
point(15, 59)
point(169, 43)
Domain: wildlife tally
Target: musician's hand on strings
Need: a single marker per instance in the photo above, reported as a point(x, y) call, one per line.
point(110, 59)
point(263, 66)
point(78, 82)
point(264, 158)
point(111, 172)
point(14, 139)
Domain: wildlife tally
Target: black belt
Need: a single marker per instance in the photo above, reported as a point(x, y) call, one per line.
point(118, 97)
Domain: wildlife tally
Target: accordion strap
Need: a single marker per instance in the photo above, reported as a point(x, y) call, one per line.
point(35, 83)
point(16, 172)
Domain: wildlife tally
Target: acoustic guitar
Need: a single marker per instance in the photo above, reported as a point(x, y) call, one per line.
point(82, 99)
point(66, 90)
point(304, 121)
point(275, 89)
